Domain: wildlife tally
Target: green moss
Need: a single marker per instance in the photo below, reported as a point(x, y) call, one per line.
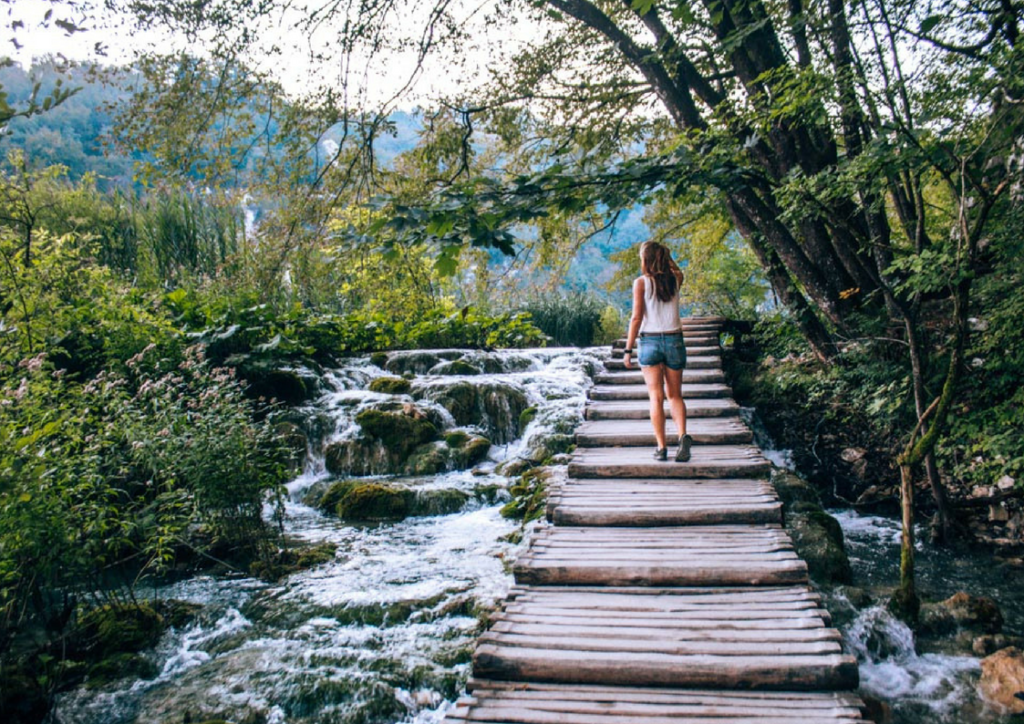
point(329, 501)
point(400, 433)
point(456, 367)
point(529, 496)
point(292, 560)
point(428, 459)
point(120, 666)
point(793, 489)
point(373, 501)
point(458, 438)
point(526, 417)
point(108, 630)
point(379, 359)
point(391, 385)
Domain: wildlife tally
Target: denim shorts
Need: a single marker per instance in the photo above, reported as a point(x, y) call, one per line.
point(669, 351)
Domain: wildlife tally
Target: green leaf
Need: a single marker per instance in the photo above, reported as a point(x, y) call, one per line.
point(929, 23)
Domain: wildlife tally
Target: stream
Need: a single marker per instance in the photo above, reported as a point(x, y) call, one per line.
point(383, 633)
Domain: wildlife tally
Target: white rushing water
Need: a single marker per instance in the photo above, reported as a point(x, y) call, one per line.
point(380, 634)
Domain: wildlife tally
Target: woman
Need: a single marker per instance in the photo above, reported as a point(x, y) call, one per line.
point(662, 352)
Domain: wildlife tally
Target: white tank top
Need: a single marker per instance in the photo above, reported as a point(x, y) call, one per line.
point(659, 316)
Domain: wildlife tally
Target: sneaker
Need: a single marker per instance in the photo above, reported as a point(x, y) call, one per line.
point(683, 453)
point(661, 453)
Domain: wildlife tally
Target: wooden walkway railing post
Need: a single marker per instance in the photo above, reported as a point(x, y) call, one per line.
point(662, 592)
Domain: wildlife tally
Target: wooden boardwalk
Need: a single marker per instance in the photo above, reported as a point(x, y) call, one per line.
point(662, 592)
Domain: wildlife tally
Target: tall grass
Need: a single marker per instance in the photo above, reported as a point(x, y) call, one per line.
point(571, 319)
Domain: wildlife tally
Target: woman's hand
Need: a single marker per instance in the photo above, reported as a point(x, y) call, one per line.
point(626, 361)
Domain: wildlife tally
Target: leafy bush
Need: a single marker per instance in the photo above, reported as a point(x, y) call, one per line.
point(117, 473)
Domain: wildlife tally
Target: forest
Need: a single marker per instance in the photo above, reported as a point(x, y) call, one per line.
point(194, 248)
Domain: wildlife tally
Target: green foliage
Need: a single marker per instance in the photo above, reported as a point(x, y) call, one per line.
point(119, 470)
point(570, 319)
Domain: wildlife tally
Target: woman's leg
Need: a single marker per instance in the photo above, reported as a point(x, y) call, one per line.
point(676, 404)
point(654, 376)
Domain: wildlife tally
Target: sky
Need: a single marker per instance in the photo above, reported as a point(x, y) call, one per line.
point(373, 81)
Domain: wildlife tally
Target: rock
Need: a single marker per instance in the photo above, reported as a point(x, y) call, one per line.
point(1002, 680)
point(455, 367)
point(374, 501)
point(379, 359)
point(990, 643)
point(391, 385)
point(876, 710)
point(526, 417)
point(328, 500)
point(466, 450)
point(440, 502)
point(359, 457)
point(428, 459)
point(400, 433)
point(1005, 483)
point(998, 513)
point(493, 406)
point(818, 539)
point(961, 612)
point(794, 489)
point(286, 386)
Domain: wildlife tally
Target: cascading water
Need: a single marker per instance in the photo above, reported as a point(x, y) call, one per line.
point(382, 633)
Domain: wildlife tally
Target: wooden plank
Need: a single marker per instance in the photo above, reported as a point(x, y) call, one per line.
point(635, 377)
point(800, 672)
point(706, 461)
point(581, 515)
point(691, 391)
point(640, 409)
point(639, 433)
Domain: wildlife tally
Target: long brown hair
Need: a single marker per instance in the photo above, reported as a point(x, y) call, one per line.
point(656, 262)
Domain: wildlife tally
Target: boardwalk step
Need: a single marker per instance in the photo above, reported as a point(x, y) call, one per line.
point(709, 362)
point(692, 350)
point(670, 556)
point(640, 409)
point(632, 502)
point(691, 391)
point(638, 433)
point(537, 703)
point(706, 461)
point(682, 638)
point(636, 377)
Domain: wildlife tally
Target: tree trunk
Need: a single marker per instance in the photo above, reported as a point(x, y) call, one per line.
point(905, 602)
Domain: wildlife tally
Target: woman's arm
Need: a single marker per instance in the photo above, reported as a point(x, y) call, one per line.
point(636, 319)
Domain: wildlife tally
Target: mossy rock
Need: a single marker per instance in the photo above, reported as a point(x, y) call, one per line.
point(818, 539)
point(527, 416)
point(418, 361)
point(119, 666)
point(328, 501)
point(493, 406)
point(793, 489)
point(529, 496)
point(444, 501)
point(109, 630)
point(379, 359)
point(291, 560)
point(427, 459)
point(357, 457)
point(391, 385)
point(398, 432)
point(467, 451)
point(373, 501)
point(961, 612)
point(456, 438)
point(455, 367)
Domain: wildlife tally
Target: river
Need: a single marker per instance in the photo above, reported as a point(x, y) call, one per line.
point(383, 633)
